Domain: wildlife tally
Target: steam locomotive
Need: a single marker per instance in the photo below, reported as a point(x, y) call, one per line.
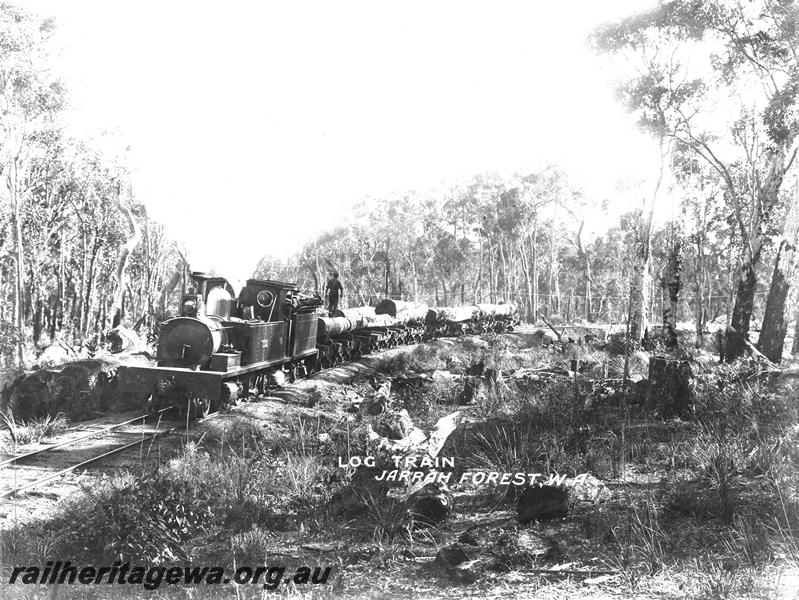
point(222, 349)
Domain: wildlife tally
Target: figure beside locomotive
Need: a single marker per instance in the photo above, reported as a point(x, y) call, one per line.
point(222, 349)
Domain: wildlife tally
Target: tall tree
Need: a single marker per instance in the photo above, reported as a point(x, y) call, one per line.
point(775, 318)
point(29, 97)
point(749, 56)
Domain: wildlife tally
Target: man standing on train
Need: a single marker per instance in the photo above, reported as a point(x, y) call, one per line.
point(334, 291)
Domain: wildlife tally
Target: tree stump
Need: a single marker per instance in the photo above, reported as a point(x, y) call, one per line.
point(670, 390)
point(542, 503)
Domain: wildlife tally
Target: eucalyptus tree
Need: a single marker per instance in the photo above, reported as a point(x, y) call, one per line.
point(691, 59)
point(29, 99)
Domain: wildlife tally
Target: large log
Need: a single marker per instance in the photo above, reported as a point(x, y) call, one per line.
point(497, 310)
point(452, 314)
point(376, 321)
point(404, 312)
point(332, 326)
point(356, 312)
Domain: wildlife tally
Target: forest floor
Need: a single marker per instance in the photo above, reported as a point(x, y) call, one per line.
point(704, 507)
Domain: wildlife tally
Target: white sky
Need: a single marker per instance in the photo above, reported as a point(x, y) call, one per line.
point(253, 125)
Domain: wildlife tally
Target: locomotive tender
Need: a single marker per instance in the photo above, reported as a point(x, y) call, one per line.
point(222, 349)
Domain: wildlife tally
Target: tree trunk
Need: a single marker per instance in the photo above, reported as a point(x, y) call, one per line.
point(527, 280)
point(534, 252)
point(554, 271)
point(504, 270)
point(19, 303)
point(641, 255)
point(492, 272)
point(795, 347)
point(127, 249)
point(671, 283)
point(738, 332)
point(775, 318)
point(699, 271)
point(585, 259)
point(88, 303)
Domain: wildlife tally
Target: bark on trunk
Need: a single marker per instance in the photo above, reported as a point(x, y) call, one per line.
point(671, 284)
point(766, 199)
point(534, 252)
point(585, 259)
point(775, 318)
point(639, 283)
point(124, 255)
point(19, 303)
point(795, 347)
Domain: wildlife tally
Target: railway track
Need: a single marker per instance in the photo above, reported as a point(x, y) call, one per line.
point(80, 449)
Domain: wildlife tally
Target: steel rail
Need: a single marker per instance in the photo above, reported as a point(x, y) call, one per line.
point(150, 438)
point(84, 463)
point(14, 459)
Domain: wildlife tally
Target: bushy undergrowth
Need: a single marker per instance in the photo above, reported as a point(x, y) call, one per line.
point(729, 475)
point(34, 430)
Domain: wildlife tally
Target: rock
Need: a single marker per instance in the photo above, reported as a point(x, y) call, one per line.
point(441, 432)
point(542, 503)
point(429, 504)
point(123, 339)
point(543, 338)
point(378, 403)
point(451, 556)
point(455, 562)
point(516, 548)
point(586, 488)
point(470, 387)
point(476, 369)
point(467, 537)
point(439, 376)
point(79, 389)
point(395, 425)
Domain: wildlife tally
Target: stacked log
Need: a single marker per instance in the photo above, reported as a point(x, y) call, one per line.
point(335, 326)
point(452, 314)
point(357, 312)
point(403, 312)
point(377, 321)
point(497, 310)
point(332, 326)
